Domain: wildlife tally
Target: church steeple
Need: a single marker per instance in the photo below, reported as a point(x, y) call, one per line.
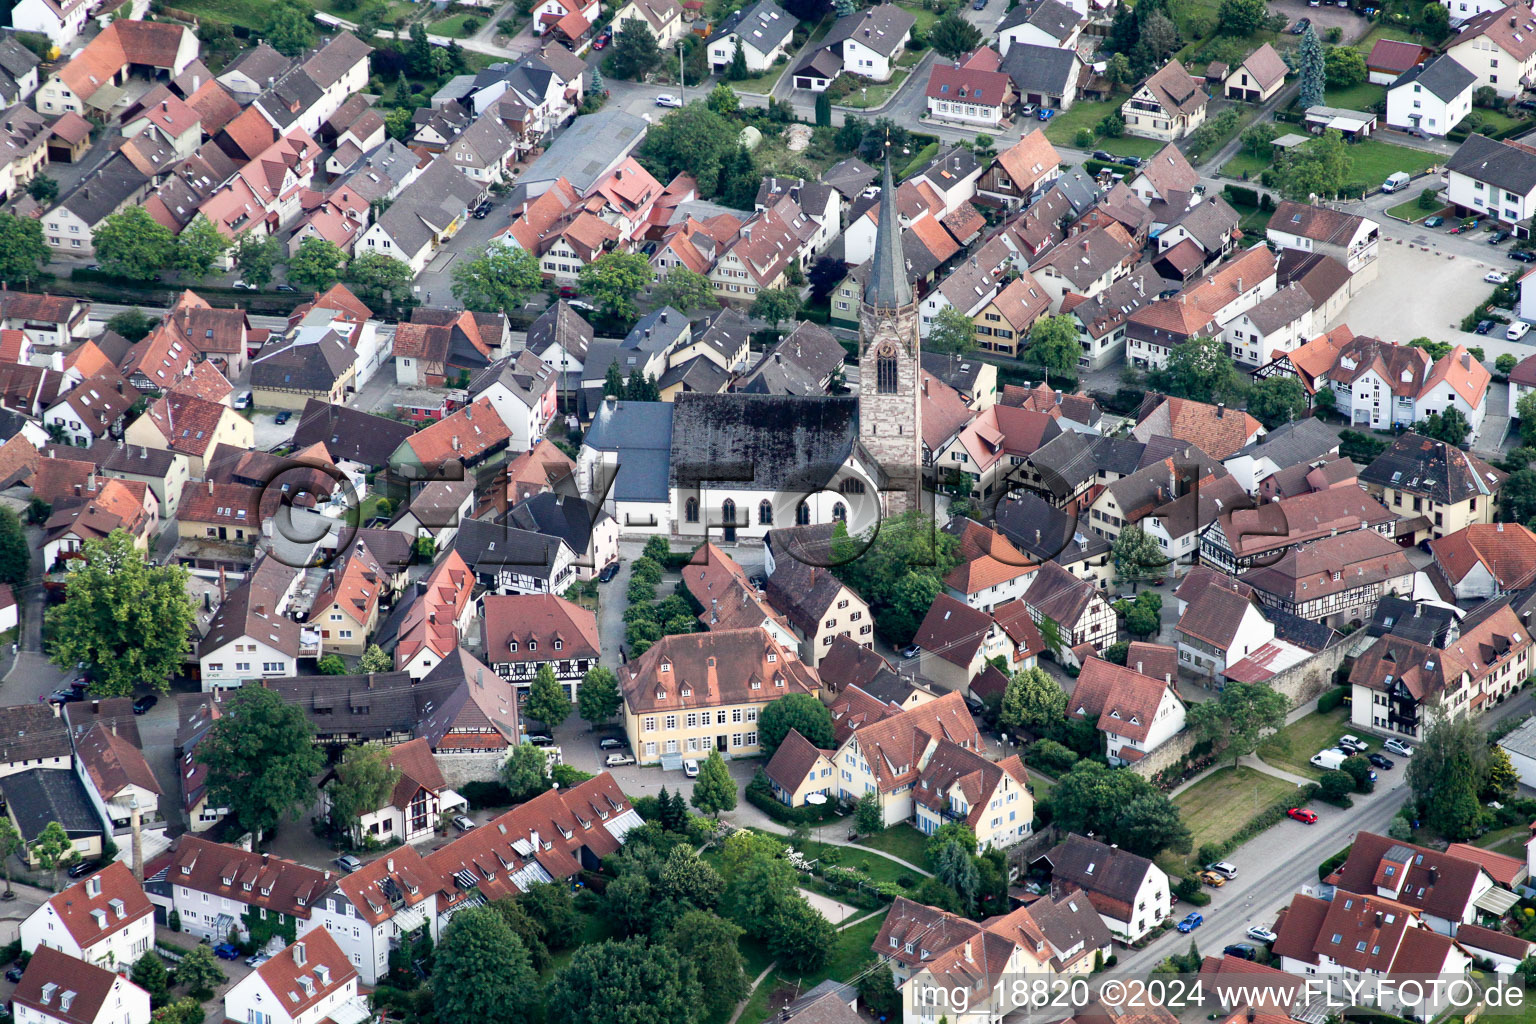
point(888, 285)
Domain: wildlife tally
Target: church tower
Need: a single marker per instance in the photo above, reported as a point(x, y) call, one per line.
point(890, 362)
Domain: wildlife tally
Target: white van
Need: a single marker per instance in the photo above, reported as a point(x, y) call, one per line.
point(1328, 760)
point(1397, 181)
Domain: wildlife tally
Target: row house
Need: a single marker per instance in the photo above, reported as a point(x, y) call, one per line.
point(423, 216)
point(763, 250)
point(1437, 488)
point(1205, 307)
point(1086, 264)
point(24, 137)
point(217, 889)
point(1495, 179)
point(266, 196)
point(1244, 537)
point(1336, 580)
point(524, 633)
point(1351, 239)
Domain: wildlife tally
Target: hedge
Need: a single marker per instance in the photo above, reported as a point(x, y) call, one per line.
point(1333, 863)
point(1265, 819)
point(760, 795)
point(1095, 166)
point(1332, 699)
point(1239, 195)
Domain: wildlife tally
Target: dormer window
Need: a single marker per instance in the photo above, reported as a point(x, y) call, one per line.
point(533, 645)
point(772, 657)
point(558, 644)
point(666, 666)
point(512, 646)
point(687, 692)
point(247, 886)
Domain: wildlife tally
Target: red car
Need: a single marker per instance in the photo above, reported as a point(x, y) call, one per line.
point(599, 42)
point(1304, 815)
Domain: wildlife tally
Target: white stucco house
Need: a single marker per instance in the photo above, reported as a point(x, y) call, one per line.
point(1431, 98)
point(103, 919)
point(762, 30)
point(309, 982)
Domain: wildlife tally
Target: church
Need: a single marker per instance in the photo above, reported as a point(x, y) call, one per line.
point(733, 466)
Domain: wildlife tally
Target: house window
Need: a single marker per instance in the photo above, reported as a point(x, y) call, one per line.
point(728, 512)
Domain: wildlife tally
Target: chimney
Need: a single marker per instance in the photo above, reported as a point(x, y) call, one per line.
point(298, 953)
point(1379, 919)
point(1138, 668)
point(1221, 409)
point(136, 822)
point(1434, 874)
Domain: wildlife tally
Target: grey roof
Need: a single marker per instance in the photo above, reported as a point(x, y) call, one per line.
point(1041, 69)
point(259, 63)
point(1286, 306)
point(726, 331)
point(641, 434)
point(1097, 868)
point(488, 138)
point(428, 205)
point(101, 194)
point(16, 62)
point(700, 373)
point(1430, 467)
point(42, 795)
point(336, 57)
point(1522, 740)
point(1294, 443)
point(488, 547)
point(1210, 222)
point(765, 25)
point(761, 442)
point(350, 433)
point(558, 515)
point(954, 161)
point(880, 28)
point(1506, 165)
point(381, 169)
point(1055, 19)
point(888, 286)
point(798, 365)
point(523, 374)
point(1443, 77)
point(1419, 621)
point(292, 95)
point(563, 326)
point(850, 177)
point(117, 457)
point(314, 366)
point(1293, 629)
point(656, 331)
point(1072, 457)
point(31, 731)
point(586, 150)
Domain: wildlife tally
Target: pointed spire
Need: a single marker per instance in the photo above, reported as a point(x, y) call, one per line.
point(888, 286)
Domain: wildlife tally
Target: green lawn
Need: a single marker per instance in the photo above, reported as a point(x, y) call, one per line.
point(331, 7)
point(874, 95)
point(762, 83)
point(925, 19)
point(902, 841)
point(457, 27)
point(1062, 130)
point(1373, 162)
point(230, 12)
point(850, 952)
point(1409, 211)
point(878, 868)
point(1356, 97)
point(1043, 785)
point(1220, 804)
point(1304, 738)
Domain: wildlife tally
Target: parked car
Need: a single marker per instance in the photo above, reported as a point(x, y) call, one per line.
point(256, 959)
point(1381, 761)
point(666, 99)
point(1497, 237)
point(1300, 27)
point(1303, 815)
point(609, 572)
point(1262, 934)
point(84, 868)
point(600, 42)
point(1517, 330)
point(979, 5)
point(1483, 327)
point(1354, 744)
point(1222, 868)
point(1046, 113)
point(1212, 879)
point(1028, 109)
point(243, 400)
point(1434, 222)
point(1193, 921)
point(1398, 747)
point(348, 863)
point(283, 417)
point(67, 696)
point(1241, 949)
point(1496, 277)
point(691, 768)
point(618, 760)
point(1522, 255)
point(1099, 154)
point(14, 973)
point(463, 823)
point(144, 703)
point(226, 951)
point(285, 288)
point(610, 743)
point(540, 739)
point(911, 651)
point(241, 286)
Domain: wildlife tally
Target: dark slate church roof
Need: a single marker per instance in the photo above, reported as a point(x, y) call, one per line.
point(761, 442)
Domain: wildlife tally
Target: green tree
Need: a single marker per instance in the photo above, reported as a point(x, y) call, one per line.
point(400, 122)
point(1517, 498)
point(694, 139)
point(515, 915)
point(44, 189)
point(801, 939)
point(1505, 363)
point(256, 257)
point(132, 324)
point(800, 711)
point(711, 947)
point(10, 844)
point(1239, 718)
point(482, 971)
point(723, 100)
point(1201, 370)
point(739, 184)
point(331, 665)
point(126, 619)
point(714, 790)
point(1033, 701)
point(149, 974)
point(1092, 797)
point(1499, 775)
point(1241, 17)
point(199, 973)
point(548, 701)
point(738, 71)
point(1449, 426)
point(290, 27)
point(23, 253)
point(1320, 166)
point(1310, 65)
point(776, 305)
point(1275, 401)
point(1335, 787)
point(898, 569)
point(635, 53)
point(598, 699)
point(955, 866)
point(199, 248)
point(684, 290)
point(1359, 770)
point(1137, 556)
point(1053, 346)
point(1434, 23)
point(52, 849)
point(629, 981)
point(261, 758)
point(612, 281)
point(823, 109)
point(952, 333)
point(499, 280)
point(952, 35)
point(316, 265)
point(877, 987)
point(525, 772)
point(376, 660)
point(867, 815)
point(364, 780)
point(1446, 775)
point(15, 552)
point(132, 245)
point(1259, 139)
point(1343, 66)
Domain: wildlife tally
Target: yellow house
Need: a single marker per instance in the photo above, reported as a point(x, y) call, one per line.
point(346, 609)
point(224, 512)
point(887, 757)
point(695, 692)
point(1436, 488)
point(799, 769)
point(1002, 325)
point(190, 426)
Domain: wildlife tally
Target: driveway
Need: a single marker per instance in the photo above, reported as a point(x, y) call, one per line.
point(269, 433)
point(1323, 17)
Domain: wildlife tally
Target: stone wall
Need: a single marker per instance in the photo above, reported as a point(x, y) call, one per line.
point(458, 769)
point(1170, 753)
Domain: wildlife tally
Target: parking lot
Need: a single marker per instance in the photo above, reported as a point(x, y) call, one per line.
point(1351, 23)
point(1397, 305)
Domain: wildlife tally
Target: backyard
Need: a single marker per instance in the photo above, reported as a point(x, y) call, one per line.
point(901, 841)
point(458, 26)
point(1372, 162)
point(852, 949)
point(1293, 747)
point(1063, 128)
point(1219, 805)
point(864, 97)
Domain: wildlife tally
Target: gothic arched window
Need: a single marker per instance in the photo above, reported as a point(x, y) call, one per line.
point(852, 485)
point(840, 513)
point(885, 371)
point(803, 514)
point(691, 510)
point(728, 512)
point(765, 513)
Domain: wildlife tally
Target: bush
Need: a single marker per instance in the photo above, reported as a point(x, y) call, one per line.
point(1240, 195)
point(1051, 757)
point(1336, 787)
point(1428, 200)
point(760, 795)
point(1333, 863)
point(1332, 699)
point(1083, 138)
point(486, 794)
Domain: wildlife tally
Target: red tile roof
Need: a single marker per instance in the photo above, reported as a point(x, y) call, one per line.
point(307, 972)
point(88, 911)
